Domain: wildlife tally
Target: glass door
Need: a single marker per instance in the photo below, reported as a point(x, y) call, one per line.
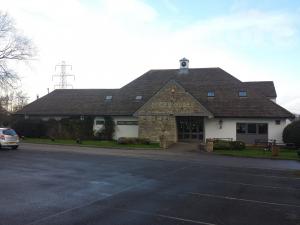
point(190, 128)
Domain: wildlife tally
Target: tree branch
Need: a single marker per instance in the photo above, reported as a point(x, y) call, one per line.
point(14, 46)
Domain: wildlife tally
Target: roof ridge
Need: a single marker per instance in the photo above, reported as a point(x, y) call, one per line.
point(258, 81)
point(197, 68)
point(80, 89)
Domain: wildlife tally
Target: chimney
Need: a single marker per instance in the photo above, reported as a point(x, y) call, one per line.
point(184, 65)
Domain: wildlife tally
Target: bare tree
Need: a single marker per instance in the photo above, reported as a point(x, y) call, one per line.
point(20, 100)
point(13, 101)
point(14, 46)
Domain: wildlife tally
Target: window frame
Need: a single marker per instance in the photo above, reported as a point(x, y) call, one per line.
point(127, 122)
point(240, 126)
point(243, 95)
point(138, 97)
point(108, 97)
point(211, 94)
point(259, 125)
point(257, 128)
point(251, 124)
point(277, 122)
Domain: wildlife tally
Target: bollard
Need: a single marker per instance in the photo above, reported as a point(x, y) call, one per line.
point(209, 145)
point(275, 149)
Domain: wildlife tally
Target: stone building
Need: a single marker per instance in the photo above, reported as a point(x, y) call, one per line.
point(185, 104)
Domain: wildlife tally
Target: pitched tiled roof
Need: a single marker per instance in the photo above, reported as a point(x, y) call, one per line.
point(197, 82)
point(71, 102)
point(266, 88)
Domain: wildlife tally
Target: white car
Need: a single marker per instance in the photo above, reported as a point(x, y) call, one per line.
point(9, 138)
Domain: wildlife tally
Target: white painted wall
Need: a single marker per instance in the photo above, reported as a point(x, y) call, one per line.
point(120, 130)
point(126, 130)
point(228, 130)
point(212, 128)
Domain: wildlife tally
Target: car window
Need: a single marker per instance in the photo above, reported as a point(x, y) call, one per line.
point(9, 132)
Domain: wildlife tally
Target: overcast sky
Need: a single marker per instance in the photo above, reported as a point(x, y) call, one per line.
point(111, 42)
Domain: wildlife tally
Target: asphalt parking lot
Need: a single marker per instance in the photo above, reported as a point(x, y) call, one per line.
point(57, 185)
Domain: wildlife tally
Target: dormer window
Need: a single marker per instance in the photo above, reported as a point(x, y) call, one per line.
point(211, 94)
point(138, 98)
point(242, 93)
point(108, 97)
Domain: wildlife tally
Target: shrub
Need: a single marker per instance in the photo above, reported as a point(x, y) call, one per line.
point(237, 145)
point(222, 145)
point(144, 141)
point(5, 118)
point(68, 128)
point(125, 141)
point(291, 133)
point(30, 128)
point(128, 141)
point(228, 145)
point(108, 130)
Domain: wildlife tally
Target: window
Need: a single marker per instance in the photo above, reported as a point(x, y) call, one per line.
point(211, 94)
point(127, 122)
point(262, 128)
point(108, 98)
point(138, 97)
point(99, 122)
point(277, 122)
point(9, 132)
point(242, 93)
point(241, 128)
point(251, 128)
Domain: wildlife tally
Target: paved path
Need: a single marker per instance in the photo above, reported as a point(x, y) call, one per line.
point(44, 184)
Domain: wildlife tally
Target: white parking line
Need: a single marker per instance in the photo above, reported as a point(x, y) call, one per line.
point(162, 216)
point(254, 185)
point(39, 221)
point(242, 199)
point(265, 175)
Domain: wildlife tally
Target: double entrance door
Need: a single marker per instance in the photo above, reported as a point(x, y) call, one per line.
point(190, 128)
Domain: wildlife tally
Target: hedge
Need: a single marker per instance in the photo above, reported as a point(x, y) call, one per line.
point(69, 128)
point(127, 141)
point(291, 133)
point(228, 145)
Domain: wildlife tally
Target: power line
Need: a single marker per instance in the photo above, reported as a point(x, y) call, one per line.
point(63, 76)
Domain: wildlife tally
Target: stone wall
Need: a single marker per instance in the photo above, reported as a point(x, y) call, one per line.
point(157, 117)
point(172, 99)
point(157, 127)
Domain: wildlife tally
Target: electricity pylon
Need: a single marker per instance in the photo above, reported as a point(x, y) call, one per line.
point(63, 76)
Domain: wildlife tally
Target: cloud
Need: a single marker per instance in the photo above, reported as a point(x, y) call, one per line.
point(111, 42)
point(170, 6)
point(250, 27)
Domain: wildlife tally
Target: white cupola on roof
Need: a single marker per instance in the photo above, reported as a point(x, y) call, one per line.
point(184, 64)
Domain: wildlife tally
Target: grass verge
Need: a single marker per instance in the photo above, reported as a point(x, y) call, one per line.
point(260, 153)
point(90, 143)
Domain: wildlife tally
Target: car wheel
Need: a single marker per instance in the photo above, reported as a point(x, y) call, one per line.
point(15, 147)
